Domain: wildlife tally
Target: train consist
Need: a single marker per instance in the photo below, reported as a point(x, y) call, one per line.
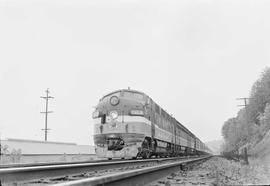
point(129, 124)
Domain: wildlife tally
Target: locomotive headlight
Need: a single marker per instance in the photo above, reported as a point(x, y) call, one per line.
point(114, 100)
point(137, 112)
point(114, 114)
point(95, 114)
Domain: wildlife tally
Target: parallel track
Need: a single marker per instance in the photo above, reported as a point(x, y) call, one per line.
point(17, 165)
point(24, 174)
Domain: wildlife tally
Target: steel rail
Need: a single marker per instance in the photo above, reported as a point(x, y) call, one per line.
point(134, 177)
point(22, 174)
point(17, 165)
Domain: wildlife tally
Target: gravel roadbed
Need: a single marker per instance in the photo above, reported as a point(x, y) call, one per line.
point(218, 171)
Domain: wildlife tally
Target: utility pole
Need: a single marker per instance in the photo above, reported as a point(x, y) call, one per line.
point(0, 148)
point(46, 112)
point(244, 151)
point(245, 104)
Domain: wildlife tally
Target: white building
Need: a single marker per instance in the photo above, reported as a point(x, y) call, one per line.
point(26, 151)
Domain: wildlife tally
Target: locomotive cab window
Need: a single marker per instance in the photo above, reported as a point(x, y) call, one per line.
point(133, 95)
point(108, 96)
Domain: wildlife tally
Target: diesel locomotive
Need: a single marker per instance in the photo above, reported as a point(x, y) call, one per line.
point(129, 124)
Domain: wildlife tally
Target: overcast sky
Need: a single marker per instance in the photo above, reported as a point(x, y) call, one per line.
point(194, 58)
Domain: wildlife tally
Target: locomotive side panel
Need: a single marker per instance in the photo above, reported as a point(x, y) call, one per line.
point(183, 138)
point(163, 135)
point(163, 130)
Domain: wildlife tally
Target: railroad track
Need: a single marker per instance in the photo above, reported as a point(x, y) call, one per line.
point(135, 177)
point(17, 165)
point(37, 174)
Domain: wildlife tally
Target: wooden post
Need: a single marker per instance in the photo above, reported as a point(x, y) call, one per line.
point(245, 156)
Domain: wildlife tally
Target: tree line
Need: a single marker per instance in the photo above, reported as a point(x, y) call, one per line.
point(253, 121)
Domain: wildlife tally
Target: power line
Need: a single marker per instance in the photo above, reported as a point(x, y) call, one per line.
point(245, 102)
point(46, 112)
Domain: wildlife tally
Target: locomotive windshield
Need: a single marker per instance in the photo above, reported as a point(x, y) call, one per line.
point(126, 94)
point(110, 95)
point(133, 95)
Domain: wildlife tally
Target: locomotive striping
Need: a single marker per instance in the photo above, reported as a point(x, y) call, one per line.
point(140, 119)
point(127, 119)
point(160, 133)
